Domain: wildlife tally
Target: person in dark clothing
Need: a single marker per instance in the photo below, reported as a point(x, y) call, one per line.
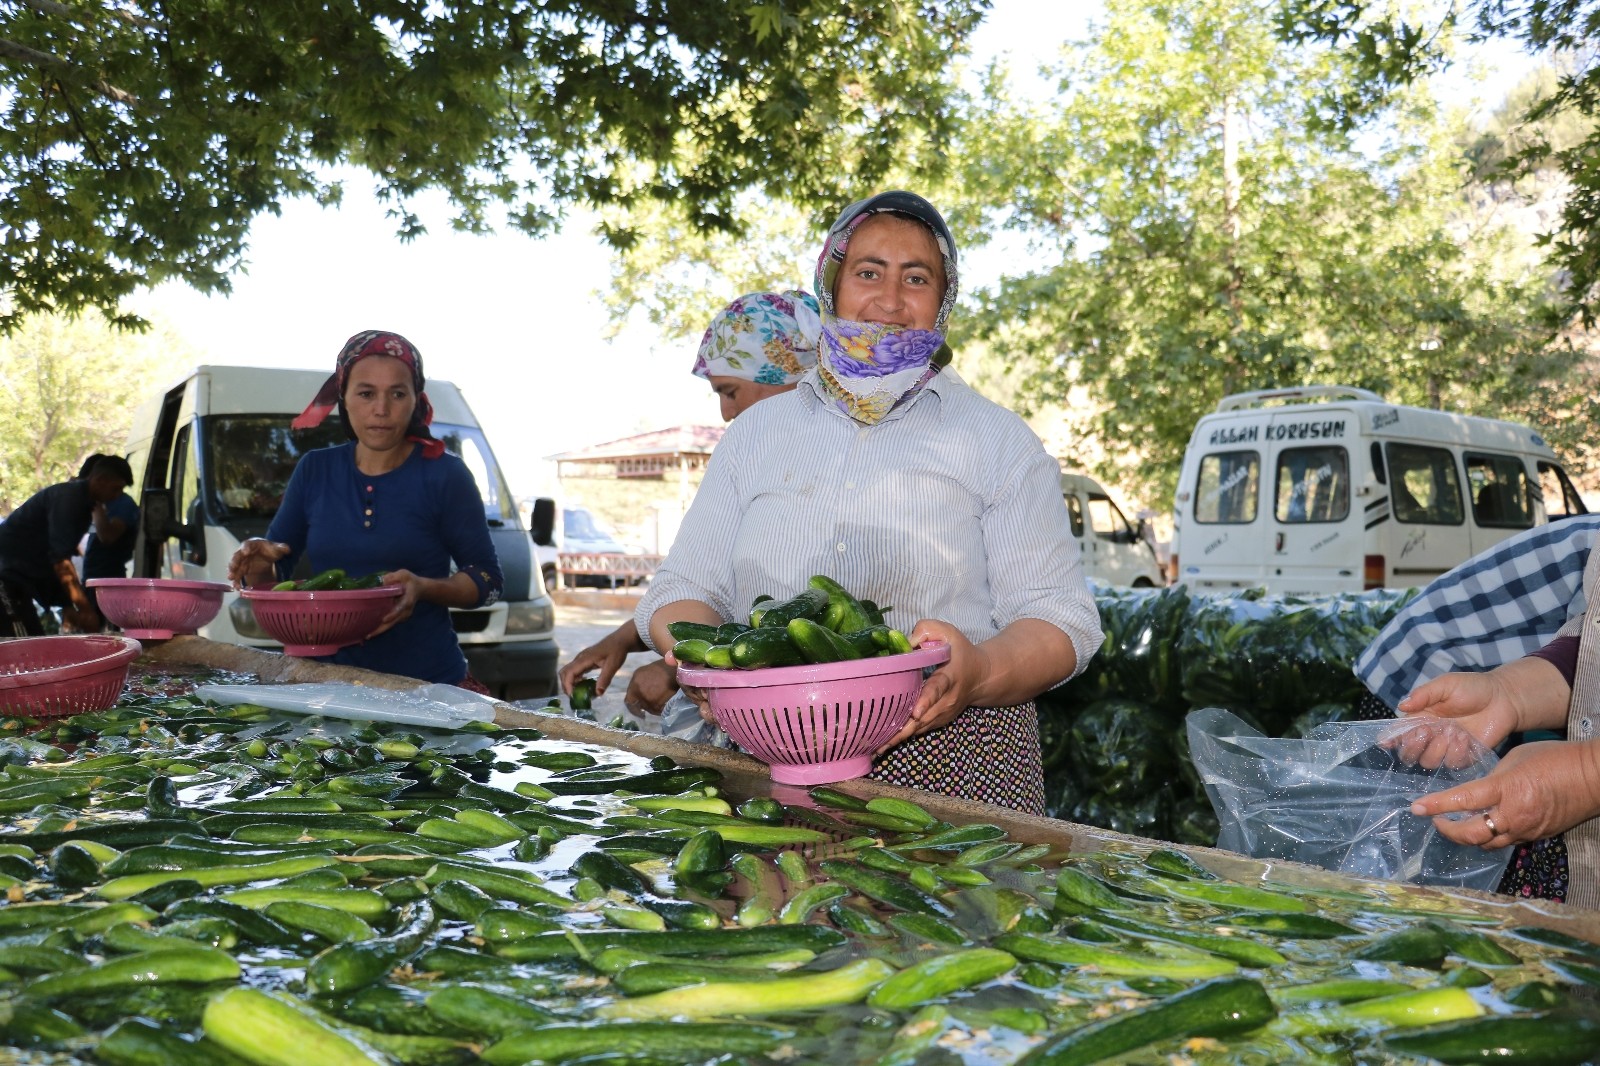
point(38, 541)
point(113, 529)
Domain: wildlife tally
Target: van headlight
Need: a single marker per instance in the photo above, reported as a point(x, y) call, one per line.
point(530, 616)
point(244, 621)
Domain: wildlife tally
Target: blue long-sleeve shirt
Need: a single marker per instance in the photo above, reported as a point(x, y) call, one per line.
point(422, 516)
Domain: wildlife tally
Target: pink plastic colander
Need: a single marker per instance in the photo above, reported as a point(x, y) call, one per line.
point(322, 621)
point(816, 724)
point(152, 608)
point(47, 677)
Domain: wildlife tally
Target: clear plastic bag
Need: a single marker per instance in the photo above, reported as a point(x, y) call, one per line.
point(1340, 798)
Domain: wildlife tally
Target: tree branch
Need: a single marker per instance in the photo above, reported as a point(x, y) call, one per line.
point(46, 61)
point(60, 10)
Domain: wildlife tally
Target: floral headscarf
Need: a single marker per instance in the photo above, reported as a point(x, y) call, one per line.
point(357, 348)
point(869, 367)
point(766, 337)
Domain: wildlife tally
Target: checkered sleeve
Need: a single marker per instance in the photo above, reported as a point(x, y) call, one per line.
point(1497, 606)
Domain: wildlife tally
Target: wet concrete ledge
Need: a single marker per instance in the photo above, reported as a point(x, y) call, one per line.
point(750, 776)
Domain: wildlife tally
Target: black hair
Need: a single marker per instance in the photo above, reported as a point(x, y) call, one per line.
point(88, 465)
point(112, 466)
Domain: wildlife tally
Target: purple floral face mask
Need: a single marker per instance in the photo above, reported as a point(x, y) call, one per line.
point(866, 367)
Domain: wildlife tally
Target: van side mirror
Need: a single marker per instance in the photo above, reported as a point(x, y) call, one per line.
point(542, 523)
point(159, 525)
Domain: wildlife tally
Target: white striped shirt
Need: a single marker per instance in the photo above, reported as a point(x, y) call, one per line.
point(949, 509)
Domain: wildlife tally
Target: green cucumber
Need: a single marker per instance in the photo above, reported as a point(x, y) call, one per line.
point(498, 925)
point(347, 967)
point(209, 877)
point(362, 902)
point(719, 657)
point(1337, 990)
point(329, 923)
point(195, 964)
point(141, 1042)
point(925, 927)
point(818, 643)
point(759, 648)
point(780, 995)
point(939, 976)
point(801, 904)
point(1062, 952)
point(1549, 1039)
point(846, 613)
point(651, 977)
point(498, 884)
point(1289, 926)
point(808, 604)
point(885, 888)
point(1409, 1009)
point(1223, 1007)
point(461, 900)
point(1239, 949)
point(272, 1029)
point(482, 1010)
point(693, 631)
point(709, 942)
point(675, 1041)
point(692, 650)
point(688, 801)
point(766, 893)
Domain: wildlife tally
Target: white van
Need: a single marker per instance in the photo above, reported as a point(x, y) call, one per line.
point(1114, 550)
point(212, 456)
point(1328, 488)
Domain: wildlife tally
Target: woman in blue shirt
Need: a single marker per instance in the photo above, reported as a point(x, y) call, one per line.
point(392, 502)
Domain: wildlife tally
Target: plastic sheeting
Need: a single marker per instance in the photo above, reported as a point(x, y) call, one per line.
point(436, 706)
point(1339, 798)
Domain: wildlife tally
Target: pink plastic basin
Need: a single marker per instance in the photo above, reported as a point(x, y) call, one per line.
point(821, 723)
point(152, 608)
point(322, 621)
point(48, 677)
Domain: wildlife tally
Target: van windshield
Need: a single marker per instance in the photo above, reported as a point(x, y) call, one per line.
point(248, 459)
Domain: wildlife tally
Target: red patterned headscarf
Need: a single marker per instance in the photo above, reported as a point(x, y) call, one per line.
point(357, 348)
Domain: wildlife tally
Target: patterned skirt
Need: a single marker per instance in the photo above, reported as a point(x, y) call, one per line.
point(988, 754)
point(1538, 868)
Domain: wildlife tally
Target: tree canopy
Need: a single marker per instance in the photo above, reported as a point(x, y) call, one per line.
point(139, 139)
point(1396, 45)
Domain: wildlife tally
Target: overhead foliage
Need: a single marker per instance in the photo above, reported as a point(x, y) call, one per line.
point(138, 139)
point(1395, 45)
point(1203, 236)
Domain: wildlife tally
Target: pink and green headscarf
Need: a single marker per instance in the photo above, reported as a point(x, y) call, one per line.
point(766, 337)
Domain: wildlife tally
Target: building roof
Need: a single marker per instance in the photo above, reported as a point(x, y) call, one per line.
point(675, 440)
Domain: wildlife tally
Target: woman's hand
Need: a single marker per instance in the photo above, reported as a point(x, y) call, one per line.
point(607, 656)
point(948, 691)
point(254, 565)
point(412, 589)
point(650, 687)
point(698, 695)
point(1524, 694)
point(1538, 790)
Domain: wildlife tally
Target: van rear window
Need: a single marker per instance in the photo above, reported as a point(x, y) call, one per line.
point(1313, 485)
point(1424, 487)
point(1229, 485)
point(1499, 487)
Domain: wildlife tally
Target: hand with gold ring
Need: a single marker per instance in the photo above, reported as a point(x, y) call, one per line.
point(1538, 790)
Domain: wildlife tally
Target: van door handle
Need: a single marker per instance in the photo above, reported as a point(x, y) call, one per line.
point(1280, 540)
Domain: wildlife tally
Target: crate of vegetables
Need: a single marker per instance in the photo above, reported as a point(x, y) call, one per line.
point(812, 685)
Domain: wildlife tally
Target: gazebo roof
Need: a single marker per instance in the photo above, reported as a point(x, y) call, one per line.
point(675, 440)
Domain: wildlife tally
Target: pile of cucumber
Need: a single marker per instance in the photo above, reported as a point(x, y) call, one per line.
point(333, 580)
point(823, 624)
point(188, 884)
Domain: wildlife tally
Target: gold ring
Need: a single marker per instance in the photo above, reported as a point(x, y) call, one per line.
point(1494, 830)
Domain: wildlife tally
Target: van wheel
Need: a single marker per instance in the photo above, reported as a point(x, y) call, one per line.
point(551, 575)
point(1143, 583)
